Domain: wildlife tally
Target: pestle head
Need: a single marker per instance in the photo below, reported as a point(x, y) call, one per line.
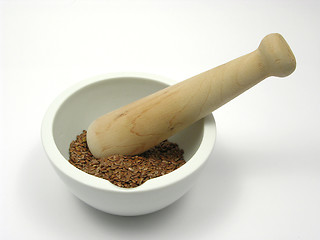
point(278, 55)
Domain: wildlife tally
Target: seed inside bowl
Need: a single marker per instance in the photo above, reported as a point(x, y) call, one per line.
point(127, 171)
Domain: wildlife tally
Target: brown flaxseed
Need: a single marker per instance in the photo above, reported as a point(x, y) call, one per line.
point(124, 170)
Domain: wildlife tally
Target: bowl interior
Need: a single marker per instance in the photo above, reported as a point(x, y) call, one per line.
point(98, 98)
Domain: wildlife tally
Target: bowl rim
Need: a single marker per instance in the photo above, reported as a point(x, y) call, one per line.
point(61, 163)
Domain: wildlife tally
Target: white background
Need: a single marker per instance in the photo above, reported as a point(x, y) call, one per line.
point(263, 178)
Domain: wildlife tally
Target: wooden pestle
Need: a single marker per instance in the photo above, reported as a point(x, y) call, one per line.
point(140, 125)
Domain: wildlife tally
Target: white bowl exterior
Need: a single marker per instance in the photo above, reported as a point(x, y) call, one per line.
point(151, 196)
point(128, 203)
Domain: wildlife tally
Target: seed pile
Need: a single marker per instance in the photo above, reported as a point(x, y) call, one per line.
point(124, 170)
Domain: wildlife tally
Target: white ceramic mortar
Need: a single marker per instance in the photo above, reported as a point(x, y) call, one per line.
point(78, 106)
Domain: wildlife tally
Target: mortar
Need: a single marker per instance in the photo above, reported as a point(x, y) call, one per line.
point(78, 106)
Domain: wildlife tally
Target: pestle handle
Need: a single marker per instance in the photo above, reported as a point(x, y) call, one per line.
point(140, 125)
